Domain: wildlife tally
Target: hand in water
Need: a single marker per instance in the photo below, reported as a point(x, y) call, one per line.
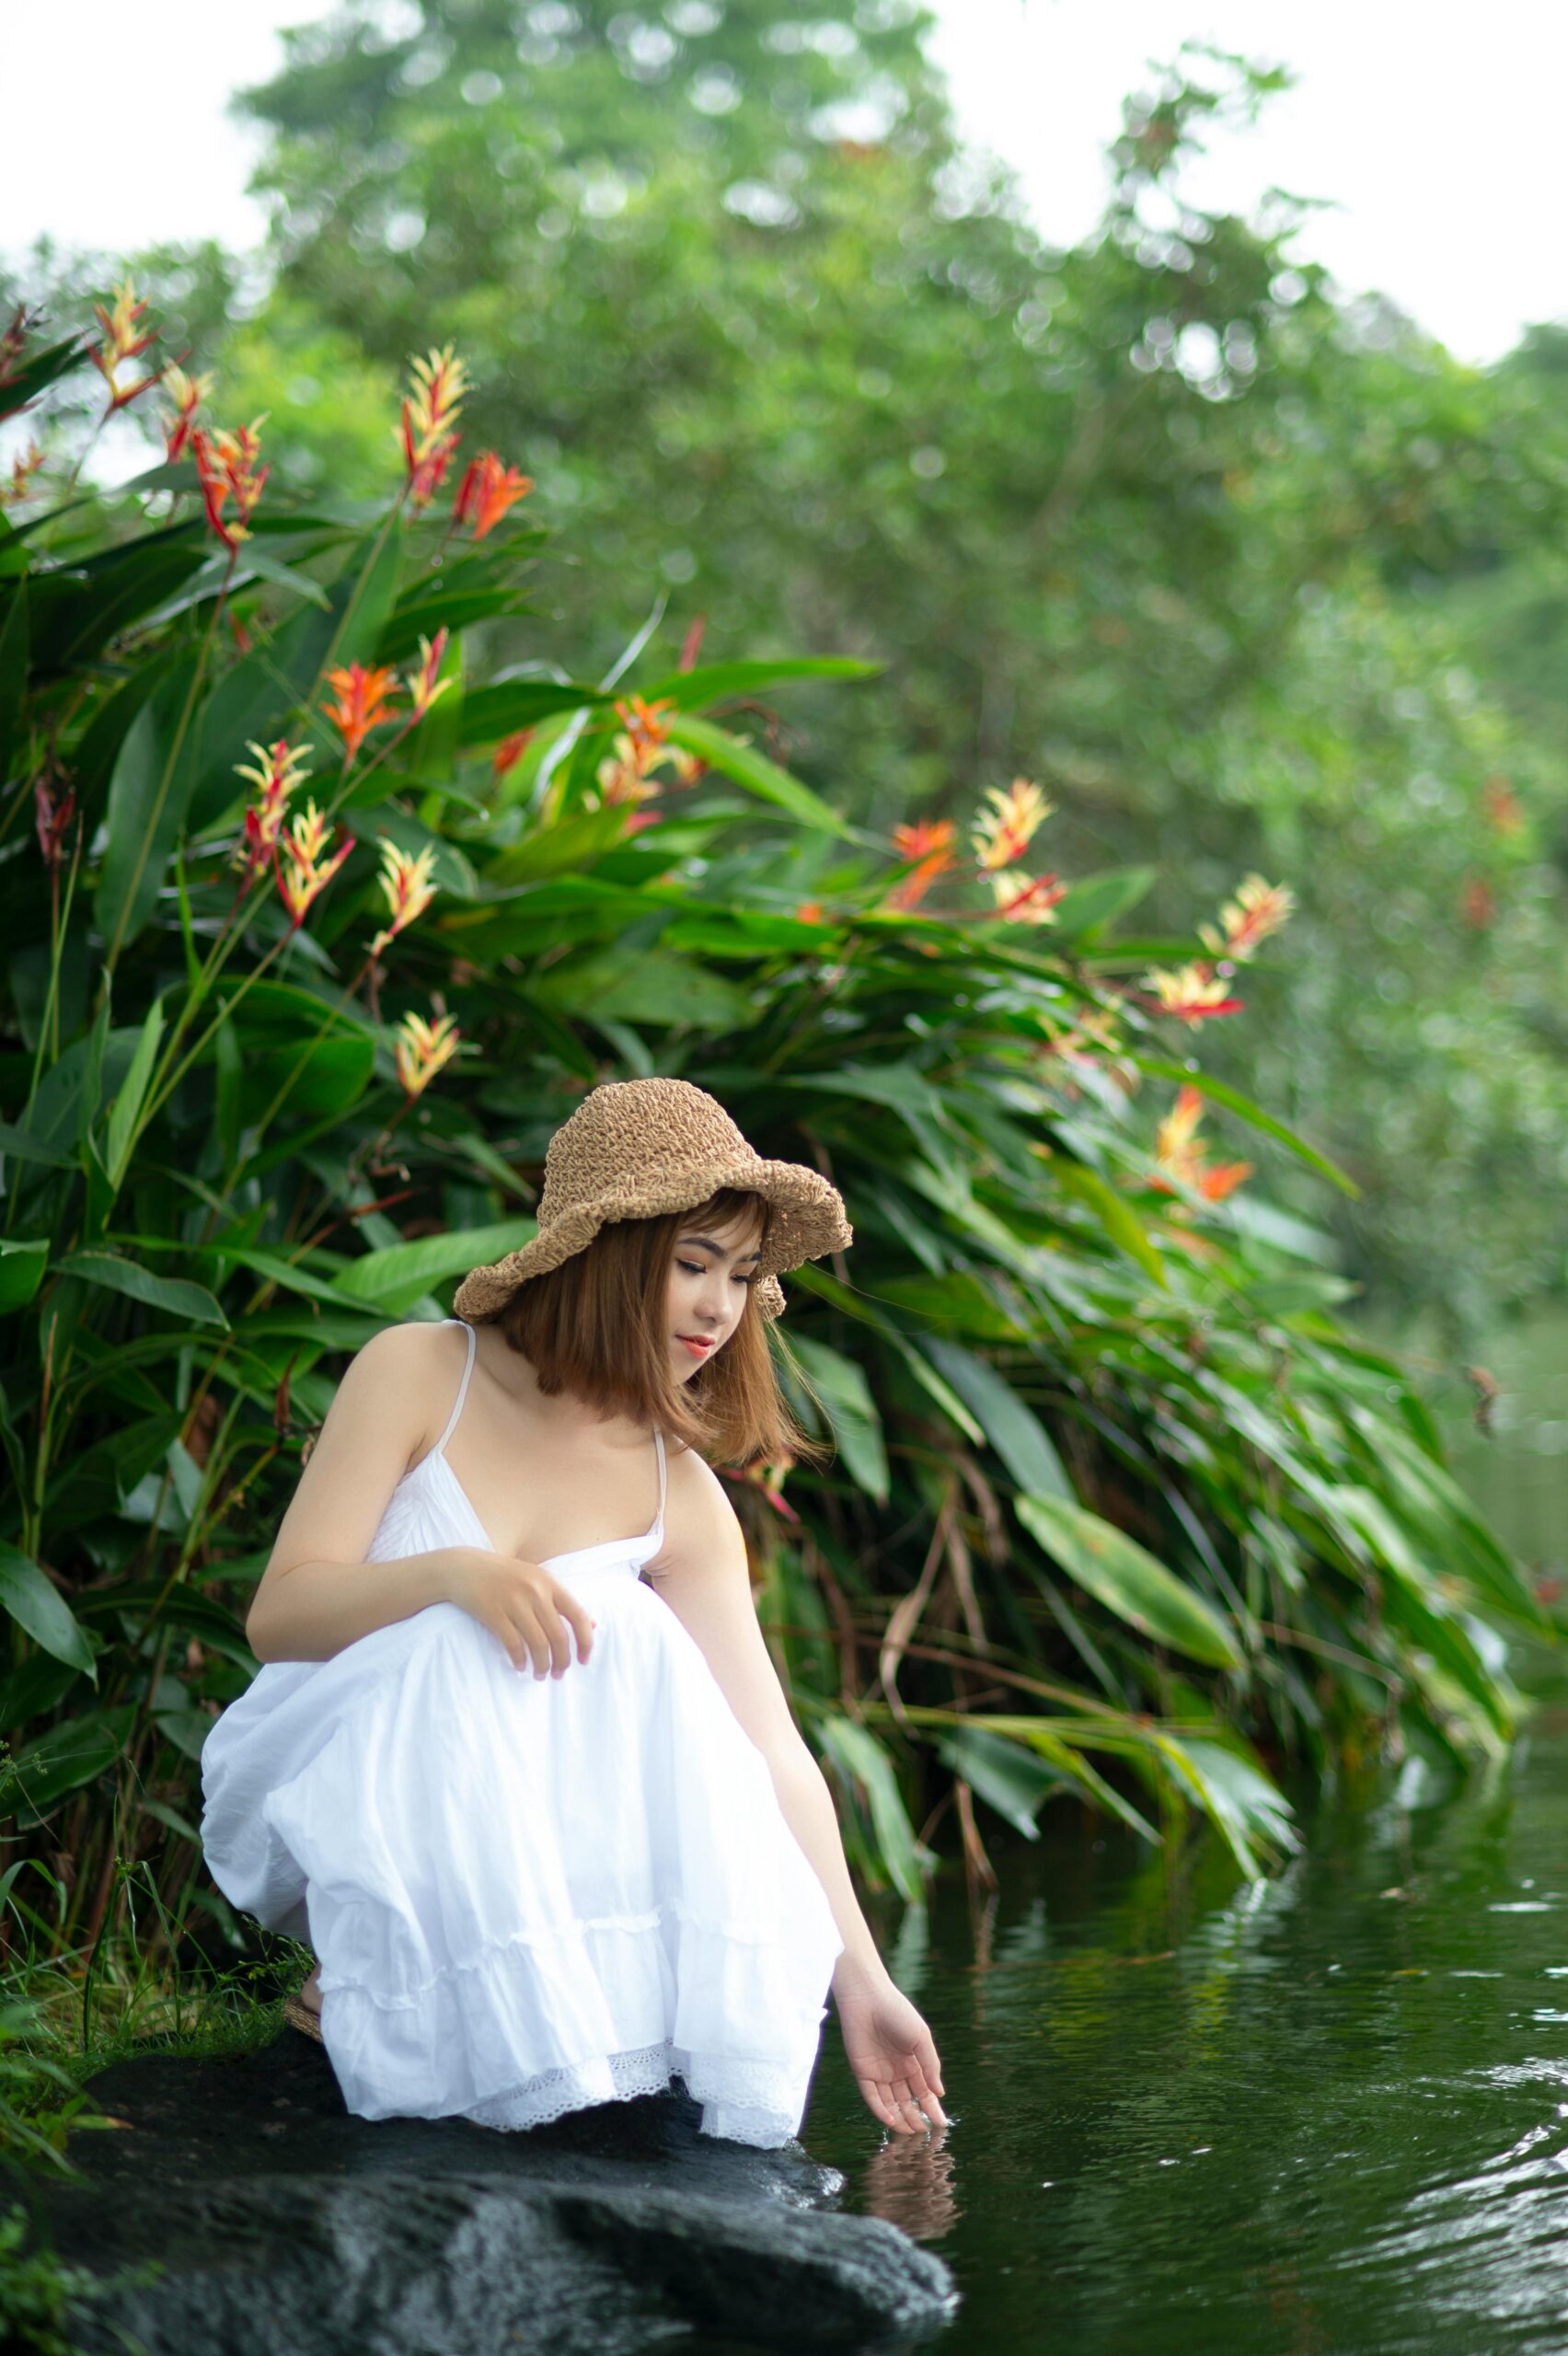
point(893, 2057)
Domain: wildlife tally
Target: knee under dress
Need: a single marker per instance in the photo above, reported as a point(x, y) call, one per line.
point(526, 1895)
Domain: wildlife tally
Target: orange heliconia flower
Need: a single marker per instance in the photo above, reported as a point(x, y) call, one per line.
point(1178, 1150)
point(120, 342)
point(423, 685)
point(621, 780)
point(52, 818)
point(1501, 807)
point(24, 466)
point(1027, 899)
point(627, 772)
point(225, 465)
point(1192, 995)
point(644, 723)
point(486, 491)
point(422, 1049)
point(14, 340)
point(1478, 902)
point(186, 393)
point(406, 881)
point(279, 769)
point(303, 875)
point(362, 697)
point(1258, 909)
point(928, 841)
point(430, 412)
point(509, 752)
point(922, 838)
point(1004, 831)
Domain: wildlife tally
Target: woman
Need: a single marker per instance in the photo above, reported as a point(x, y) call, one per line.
point(545, 1818)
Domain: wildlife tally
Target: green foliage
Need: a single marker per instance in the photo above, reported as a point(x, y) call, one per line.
point(1117, 1511)
point(1146, 519)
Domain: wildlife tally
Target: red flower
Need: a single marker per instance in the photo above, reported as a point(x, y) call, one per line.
point(226, 466)
point(429, 413)
point(1479, 902)
point(509, 752)
point(486, 491)
point(929, 842)
point(1192, 995)
point(52, 818)
point(186, 393)
point(362, 697)
point(120, 342)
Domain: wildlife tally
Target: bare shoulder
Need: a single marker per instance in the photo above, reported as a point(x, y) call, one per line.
point(388, 1409)
point(701, 1523)
point(409, 1374)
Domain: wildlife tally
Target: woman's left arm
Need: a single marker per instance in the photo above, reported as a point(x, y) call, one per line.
point(704, 1579)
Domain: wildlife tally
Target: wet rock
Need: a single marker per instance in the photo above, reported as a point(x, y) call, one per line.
point(289, 2228)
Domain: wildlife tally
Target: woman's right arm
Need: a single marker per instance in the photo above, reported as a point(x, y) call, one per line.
point(317, 1592)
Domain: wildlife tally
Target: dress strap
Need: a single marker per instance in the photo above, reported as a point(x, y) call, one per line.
point(461, 1387)
point(659, 1444)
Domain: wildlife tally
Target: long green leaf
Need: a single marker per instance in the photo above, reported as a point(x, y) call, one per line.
point(1012, 1428)
point(128, 1105)
point(862, 1756)
point(757, 773)
point(402, 1271)
point(148, 797)
point(35, 1604)
point(22, 1265)
point(1115, 1213)
point(715, 682)
point(14, 650)
point(112, 1273)
point(857, 1426)
point(1127, 1581)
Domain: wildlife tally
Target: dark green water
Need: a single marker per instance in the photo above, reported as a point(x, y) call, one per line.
point(1323, 2116)
point(1326, 2116)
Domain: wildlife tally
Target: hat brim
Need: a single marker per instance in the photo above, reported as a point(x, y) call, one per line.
point(808, 1223)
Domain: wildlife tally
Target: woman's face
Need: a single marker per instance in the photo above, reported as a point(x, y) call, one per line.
point(713, 1269)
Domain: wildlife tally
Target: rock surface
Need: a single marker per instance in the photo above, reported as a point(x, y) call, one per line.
point(288, 2228)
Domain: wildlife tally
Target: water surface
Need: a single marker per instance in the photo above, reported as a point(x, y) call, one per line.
point(1322, 2116)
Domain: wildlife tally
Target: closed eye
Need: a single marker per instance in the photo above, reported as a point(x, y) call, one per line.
point(696, 1269)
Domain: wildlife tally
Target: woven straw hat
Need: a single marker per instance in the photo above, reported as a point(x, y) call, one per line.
point(636, 1147)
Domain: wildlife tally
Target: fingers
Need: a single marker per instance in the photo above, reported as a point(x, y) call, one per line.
point(581, 1625)
point(908, 2108)
point(546, 1632)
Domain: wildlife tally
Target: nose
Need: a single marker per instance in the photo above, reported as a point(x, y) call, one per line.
point(708, 1315)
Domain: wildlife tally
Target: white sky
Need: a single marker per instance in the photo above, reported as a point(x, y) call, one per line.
point(1436, 129)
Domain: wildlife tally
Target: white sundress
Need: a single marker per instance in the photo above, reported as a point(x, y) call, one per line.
point(526, 1895)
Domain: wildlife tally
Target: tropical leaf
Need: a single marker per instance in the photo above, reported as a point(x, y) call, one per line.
point(113, 1271)
point(35, 1604)
point(754, 771)
point(1127, 1581)
point(1012, 1428)
point(861, 1756)
point(857, 1426)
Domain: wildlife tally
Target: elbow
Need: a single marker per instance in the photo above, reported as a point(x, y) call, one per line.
point(256, 1633)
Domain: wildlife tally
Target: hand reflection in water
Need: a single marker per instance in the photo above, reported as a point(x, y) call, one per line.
point(910, 2182)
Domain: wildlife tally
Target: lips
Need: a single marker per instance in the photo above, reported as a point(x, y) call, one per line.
point(698, 1350)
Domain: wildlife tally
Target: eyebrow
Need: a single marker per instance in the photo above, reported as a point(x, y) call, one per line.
point(708, 1241)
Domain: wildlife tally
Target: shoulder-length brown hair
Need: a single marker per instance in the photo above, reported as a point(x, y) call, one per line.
point(598, 1326)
